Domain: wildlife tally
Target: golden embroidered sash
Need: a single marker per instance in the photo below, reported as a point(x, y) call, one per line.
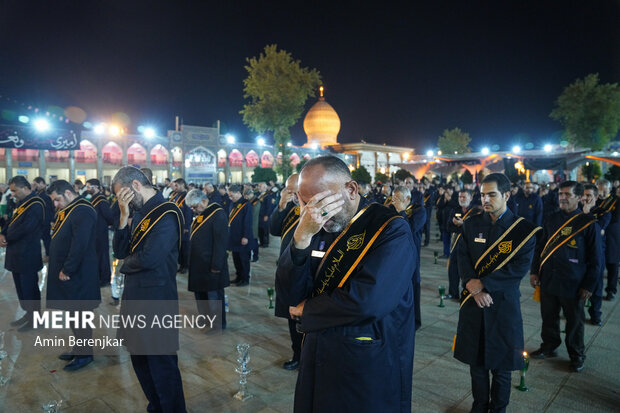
point(291, 220)
point(350, 247)
point(23, 207)
point(502, 250)
point(97, 200)
point(204, 217)
point(63, 214)
point(388, 201)
point(151, 219)
point(235, 211)
point(608, 205)
point(179, 199)
point(565, 233)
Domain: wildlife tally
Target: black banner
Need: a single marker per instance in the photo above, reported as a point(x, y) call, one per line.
point(27, 137)
point(537, 164)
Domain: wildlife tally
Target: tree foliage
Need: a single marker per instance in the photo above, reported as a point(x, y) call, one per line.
point(467, 177)
point(454, 141)
point(264, 175)
point(613, 173)
point(381, 177)
point(277, 87)
point(591, 170)
point(361, 175)
point(402, 174)
point(589, 112)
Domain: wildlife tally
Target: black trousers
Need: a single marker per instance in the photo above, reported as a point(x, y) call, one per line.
point(241, 260)
point(161, 383)
point(27, 287)
point(82, 334)
point(184, 254)
point(453, 276)
point(493, 398)
point(612, 278)
point(204, 307)
point(596, 300)
point(573, 308)
point(263, 233)
point(296, 339)
point(427, 227)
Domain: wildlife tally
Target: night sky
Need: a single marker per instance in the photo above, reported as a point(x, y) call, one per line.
point(394, 74)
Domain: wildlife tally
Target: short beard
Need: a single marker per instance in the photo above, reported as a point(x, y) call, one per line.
point(137, 202)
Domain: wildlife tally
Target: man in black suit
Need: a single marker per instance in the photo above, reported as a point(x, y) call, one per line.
point(208, 260)
point(21, 237)
point(150, 250)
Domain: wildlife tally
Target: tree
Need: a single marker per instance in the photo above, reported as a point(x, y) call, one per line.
point(589, 112)
point(613, 173)
point(264, 175)
point(402, 174)
point(381, 177)
point(361, 175)
point(467, 177)
point(278, 88)
point(591, 170)
point(454, 141)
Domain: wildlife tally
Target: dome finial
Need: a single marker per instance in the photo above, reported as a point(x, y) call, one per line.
point(321, 90)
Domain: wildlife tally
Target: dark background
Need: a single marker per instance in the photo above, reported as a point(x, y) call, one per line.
point(394, 74)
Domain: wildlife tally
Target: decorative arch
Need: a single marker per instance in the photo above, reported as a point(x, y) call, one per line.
point(112, 153)
point(27, 155)
point(235, 158)
point(87, 152)
point(266, 160)
point(221, 158)
point(159, 155)
point(201, 160)
point(136, 154)
point(294, 159)
point(251, 159)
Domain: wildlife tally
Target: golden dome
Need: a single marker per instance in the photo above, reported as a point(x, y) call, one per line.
point(322, 124)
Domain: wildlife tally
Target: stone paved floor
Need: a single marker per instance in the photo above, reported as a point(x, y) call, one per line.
point(440, 383)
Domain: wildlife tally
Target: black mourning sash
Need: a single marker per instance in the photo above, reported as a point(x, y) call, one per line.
point(412, 209)
point(565, 233)
point(148, 222)
point(23, 207)
point(502, 250)
point(180, 199)
point(608, 205)
point(346, 252)
point(291, 220)
point(98, 199)
point(204, 217)
point(63, 214)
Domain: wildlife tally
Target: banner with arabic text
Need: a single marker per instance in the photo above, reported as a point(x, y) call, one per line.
point(24, 137)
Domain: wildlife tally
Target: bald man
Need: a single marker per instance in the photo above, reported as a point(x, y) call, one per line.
point(284, 220)
point(347, 276)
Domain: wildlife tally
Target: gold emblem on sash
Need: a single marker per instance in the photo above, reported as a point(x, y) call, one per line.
point(505, 247)
point(356, 241)
point(145, 224)
point(572, 243)
point(61, 215)
point(566, 231)
point(199, 218)
point(19, 210)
